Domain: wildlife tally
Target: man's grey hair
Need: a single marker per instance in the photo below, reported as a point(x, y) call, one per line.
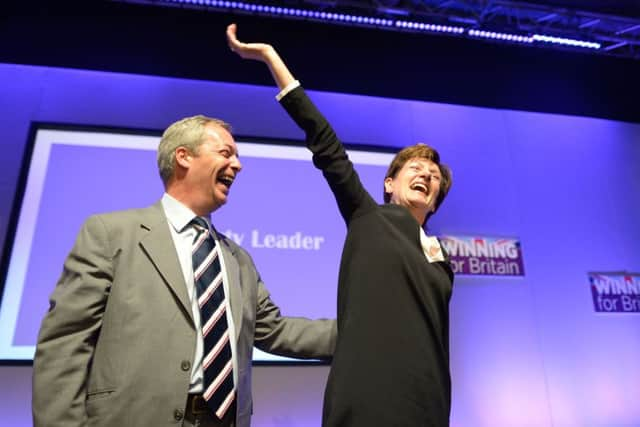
point(187, 133)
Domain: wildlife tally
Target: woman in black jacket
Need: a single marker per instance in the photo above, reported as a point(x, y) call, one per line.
point(391, 363)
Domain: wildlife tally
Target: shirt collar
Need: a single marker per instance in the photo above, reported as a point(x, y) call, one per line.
point(431, 247)
point(178, 214)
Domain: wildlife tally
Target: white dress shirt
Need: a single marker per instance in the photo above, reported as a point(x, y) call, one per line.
point(179, 216)
point(288, 88)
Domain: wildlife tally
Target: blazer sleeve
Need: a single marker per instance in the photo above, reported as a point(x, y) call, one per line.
point(329, 155)
point(297, 337)
point(70, 329)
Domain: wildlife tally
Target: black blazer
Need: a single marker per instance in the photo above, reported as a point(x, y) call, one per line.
point(391, 364)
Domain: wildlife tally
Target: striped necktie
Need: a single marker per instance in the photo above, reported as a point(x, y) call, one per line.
point(219, 390)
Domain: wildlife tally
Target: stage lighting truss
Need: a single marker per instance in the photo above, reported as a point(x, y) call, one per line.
point(497, 21)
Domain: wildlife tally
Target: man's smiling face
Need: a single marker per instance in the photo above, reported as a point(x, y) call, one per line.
point(214, 166)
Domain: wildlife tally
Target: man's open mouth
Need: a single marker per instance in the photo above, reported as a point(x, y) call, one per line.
point(227, 180)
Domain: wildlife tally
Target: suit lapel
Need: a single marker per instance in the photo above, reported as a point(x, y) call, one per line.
point(159, 247)
point(233, 276)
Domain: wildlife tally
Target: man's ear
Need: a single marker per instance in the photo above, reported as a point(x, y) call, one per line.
point(183, 157)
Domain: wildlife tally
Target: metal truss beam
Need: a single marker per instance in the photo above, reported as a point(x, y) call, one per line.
point(514, 21)
point(618, 35)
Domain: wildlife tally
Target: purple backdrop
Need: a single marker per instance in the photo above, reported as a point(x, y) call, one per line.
point(525, 351)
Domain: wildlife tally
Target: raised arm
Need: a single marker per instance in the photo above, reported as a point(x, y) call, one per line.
point(261, 52)
point(328, 153)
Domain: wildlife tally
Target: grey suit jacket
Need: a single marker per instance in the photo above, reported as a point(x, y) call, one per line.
point(116, 347)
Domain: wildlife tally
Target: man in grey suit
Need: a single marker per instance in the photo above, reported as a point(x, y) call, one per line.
point(122, 343)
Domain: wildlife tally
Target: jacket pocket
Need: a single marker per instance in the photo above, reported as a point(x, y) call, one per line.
point(98, 403)
point(99, 394)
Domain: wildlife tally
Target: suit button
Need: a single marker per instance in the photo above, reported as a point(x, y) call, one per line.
point(178, 414)
point(185, 365)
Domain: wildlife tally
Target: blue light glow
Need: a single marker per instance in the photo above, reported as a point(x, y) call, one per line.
point(517, 38)
point(566, 41)
point(382, 22)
